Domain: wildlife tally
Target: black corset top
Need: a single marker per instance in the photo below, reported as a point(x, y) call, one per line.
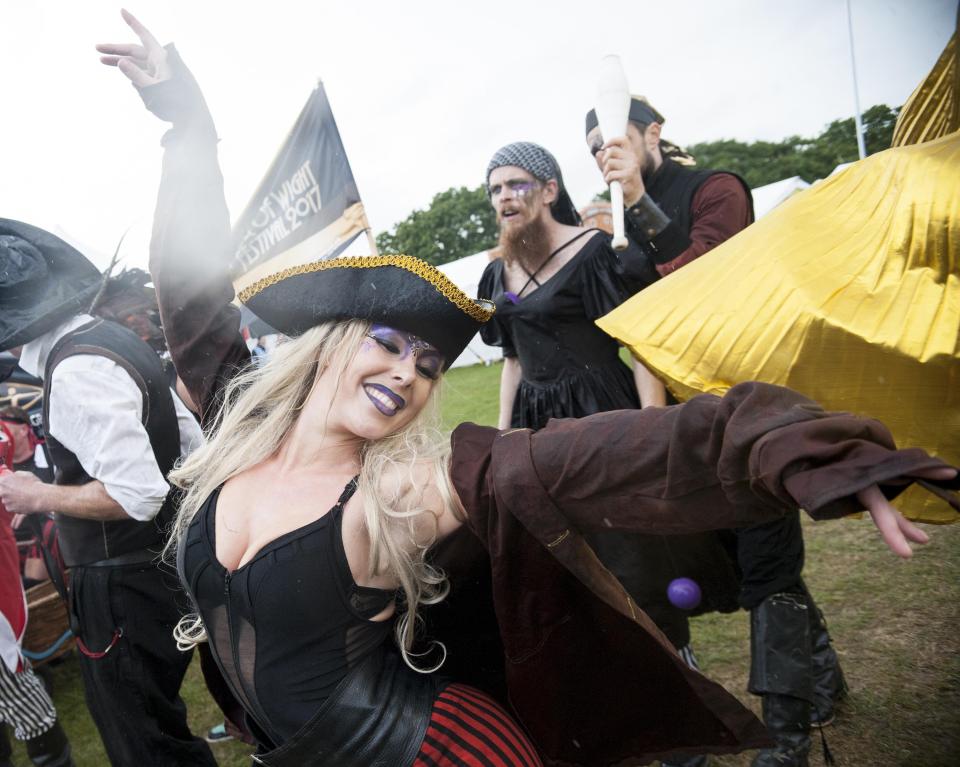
point(289, 624)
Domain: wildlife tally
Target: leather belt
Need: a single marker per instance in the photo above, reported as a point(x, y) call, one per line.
point(376, 717)
point(140, 556)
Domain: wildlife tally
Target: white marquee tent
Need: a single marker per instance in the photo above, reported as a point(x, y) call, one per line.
point(465, 274)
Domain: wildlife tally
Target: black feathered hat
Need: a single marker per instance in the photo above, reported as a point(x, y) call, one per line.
point(43, 281)
point(400, 291)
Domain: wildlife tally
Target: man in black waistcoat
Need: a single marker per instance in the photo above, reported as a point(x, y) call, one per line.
point(113, 431)
point(676, 213)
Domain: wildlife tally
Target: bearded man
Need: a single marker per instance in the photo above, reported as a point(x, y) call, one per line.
point(553, 280)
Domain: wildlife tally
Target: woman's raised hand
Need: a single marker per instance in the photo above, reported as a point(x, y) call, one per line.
point(144, 64)
point(897, 531)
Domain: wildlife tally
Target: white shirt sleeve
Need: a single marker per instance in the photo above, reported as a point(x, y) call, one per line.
point(95, 412)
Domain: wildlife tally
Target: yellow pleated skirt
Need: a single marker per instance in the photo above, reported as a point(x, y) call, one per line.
point(849, 292)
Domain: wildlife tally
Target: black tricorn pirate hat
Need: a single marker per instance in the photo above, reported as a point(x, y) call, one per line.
point(400, 291)
point(43, 281)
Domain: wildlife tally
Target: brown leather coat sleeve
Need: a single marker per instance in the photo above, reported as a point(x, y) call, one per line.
point(190, 247)
point(708, 464)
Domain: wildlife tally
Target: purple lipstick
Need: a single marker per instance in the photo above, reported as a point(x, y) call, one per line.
point(387, 402)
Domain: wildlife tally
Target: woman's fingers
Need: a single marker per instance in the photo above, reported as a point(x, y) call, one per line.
point(148, 40)
point(123, 49)
point(143, 64)
point(112, 61)
point(896, 531)
point(941, 472)
point(134, 73)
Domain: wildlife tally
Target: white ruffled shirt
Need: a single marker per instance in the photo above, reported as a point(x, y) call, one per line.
point(95, 412)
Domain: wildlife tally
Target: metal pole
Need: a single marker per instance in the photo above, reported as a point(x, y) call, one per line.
point(861, 148)
point(372, 242)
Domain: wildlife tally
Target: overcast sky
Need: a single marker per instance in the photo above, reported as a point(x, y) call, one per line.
point(423, 92)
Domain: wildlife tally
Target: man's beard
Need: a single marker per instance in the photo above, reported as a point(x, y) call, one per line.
point(647, 166)
point(526, 244)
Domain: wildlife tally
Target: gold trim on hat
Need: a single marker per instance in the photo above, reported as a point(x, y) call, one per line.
point(480, 310)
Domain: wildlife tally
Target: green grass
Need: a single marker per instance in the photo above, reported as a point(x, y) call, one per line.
point(896, 627)
point(471, 394)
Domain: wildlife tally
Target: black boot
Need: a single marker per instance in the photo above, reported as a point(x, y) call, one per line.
point(51, 749)
point(829, 684)
point(780, 671)
point(788, 721)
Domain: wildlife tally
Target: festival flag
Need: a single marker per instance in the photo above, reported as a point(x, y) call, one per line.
point(307, 208)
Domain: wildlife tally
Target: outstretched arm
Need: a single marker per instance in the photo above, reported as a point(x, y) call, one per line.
point(190, 248)
point(711, 463)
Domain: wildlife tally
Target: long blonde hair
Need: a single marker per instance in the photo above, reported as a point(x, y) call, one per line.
point(258, 411)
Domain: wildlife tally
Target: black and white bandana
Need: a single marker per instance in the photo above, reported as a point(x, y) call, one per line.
point(540, 164)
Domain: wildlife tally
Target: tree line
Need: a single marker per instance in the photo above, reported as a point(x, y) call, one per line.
point(461, 221)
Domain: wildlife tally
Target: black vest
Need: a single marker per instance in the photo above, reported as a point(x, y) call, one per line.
point(673, 186)
point(83, 541)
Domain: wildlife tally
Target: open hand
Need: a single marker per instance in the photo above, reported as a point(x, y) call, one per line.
point(896, 530)
point(144, 64)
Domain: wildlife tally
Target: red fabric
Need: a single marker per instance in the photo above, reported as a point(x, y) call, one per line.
point(6, 446)
point(13, 606)
point(719, 210)
point(52, 541)
point(468, 728)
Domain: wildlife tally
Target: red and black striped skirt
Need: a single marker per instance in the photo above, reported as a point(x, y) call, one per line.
point(470, 729)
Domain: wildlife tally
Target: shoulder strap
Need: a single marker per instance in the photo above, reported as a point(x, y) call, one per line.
point(533, 275)
point(348, 491)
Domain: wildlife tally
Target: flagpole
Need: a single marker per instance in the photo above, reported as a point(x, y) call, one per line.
point(861, 148)
point(372, 242)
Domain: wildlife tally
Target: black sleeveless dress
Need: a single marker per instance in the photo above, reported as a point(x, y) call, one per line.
point(286, 627)
point(570, 368)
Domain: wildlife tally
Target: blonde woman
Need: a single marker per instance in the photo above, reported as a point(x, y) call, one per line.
point(308, 519)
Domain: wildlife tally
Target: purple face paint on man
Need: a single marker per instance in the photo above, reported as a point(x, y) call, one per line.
point(429, 360)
